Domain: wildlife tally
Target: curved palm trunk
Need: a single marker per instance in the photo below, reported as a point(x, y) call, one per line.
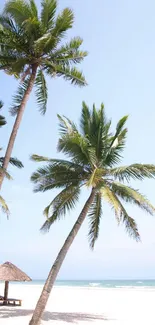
point(41, 304)
point(17, 123)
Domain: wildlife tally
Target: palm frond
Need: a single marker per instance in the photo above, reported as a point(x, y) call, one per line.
point(85, 119)
point(110, 197)
point(57, 162)
point(69, 53)
point(32, 28)
point(130, 195)
point(7, 23)
point(38, 158)
point(34, 9)
point(120, 212)
point(6, 174)
point(18, 10)
point(69, 48)
point(99, 131)
point(75, 146)
point(62, 203)
point(113, 153)
point(63, 23)
point(58, 174)
point(41, 43)
point(48, 13)
point(41, 91)
point(20, 66)
point(94, 215)
point(134, 171)
point(120, 132)
point(95, 177)
point(66, 126)
point(16, 162)
point(17, 99)
point(13, 161)
point(1, 104)
point(2, 120)
point(120, 125)
point(129, 222)
point(73, 75)
point(4, 206)
point(116, 144)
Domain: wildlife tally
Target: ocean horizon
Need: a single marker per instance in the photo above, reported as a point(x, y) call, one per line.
point(140, 283)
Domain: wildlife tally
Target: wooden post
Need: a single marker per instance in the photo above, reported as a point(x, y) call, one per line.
point(6, 292)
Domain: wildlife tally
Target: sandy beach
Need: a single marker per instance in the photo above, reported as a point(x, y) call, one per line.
point(82, 306)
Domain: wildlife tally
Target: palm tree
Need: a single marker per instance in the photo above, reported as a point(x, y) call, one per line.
point(32, 46)
point(13, 161)
point(94, 154)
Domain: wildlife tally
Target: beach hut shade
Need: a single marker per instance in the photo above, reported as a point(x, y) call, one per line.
point(10, 272)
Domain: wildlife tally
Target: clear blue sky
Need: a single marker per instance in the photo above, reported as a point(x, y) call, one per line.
point(120, 70)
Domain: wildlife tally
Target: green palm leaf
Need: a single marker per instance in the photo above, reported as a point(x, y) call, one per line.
point(2, 120)
point(120, 212)
point(6, 174)
point(130, 195)
point(58, 174)
point(34, 9)
point(4, 206)
point(135, 171)
point(19, 10)
point(17, 99)
point(110, 197)
point(58, 162)
point(48, 13)
point(85, 119)
point(13, 161)
point(63, 22)
point(66, 126)
point(95, 213)
point(73, 75)
point(69, 53)
point(62, 203)
point(41, 92)
point(129, 222)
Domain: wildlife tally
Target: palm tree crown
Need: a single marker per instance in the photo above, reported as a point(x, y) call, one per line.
point(32, 42)
point(94, 153)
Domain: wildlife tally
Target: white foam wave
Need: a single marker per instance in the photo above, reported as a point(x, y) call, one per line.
point(94, 284)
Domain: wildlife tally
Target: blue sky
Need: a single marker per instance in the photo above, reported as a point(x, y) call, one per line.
point(120, 70)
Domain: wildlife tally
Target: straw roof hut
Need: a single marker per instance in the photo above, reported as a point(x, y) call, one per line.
point(10, 272)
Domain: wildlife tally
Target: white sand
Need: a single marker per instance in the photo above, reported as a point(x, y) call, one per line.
point(82, 306)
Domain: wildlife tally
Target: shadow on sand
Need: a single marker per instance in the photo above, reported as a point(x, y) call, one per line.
point(47, 316)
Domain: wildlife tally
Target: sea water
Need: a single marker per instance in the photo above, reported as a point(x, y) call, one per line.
point(98, 283)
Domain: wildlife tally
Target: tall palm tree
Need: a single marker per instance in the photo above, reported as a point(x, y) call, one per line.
point(13, 161)
point(94, 155)
point(31, 46)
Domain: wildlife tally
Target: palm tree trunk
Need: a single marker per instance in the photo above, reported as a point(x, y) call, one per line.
point(41, 304)
point(18, 122)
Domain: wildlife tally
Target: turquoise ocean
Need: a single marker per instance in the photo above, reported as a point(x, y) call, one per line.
point(98, 283)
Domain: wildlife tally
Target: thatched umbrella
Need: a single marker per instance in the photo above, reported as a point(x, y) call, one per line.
point(10, 272)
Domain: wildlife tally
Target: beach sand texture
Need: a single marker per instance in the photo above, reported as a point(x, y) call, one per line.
point(82, 306)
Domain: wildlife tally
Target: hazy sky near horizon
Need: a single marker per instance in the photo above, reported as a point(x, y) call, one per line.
point(120, 70)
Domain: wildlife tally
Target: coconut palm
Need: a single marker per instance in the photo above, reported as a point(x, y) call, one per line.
point(31, 46)
point(13, 161)
point(94, 153)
